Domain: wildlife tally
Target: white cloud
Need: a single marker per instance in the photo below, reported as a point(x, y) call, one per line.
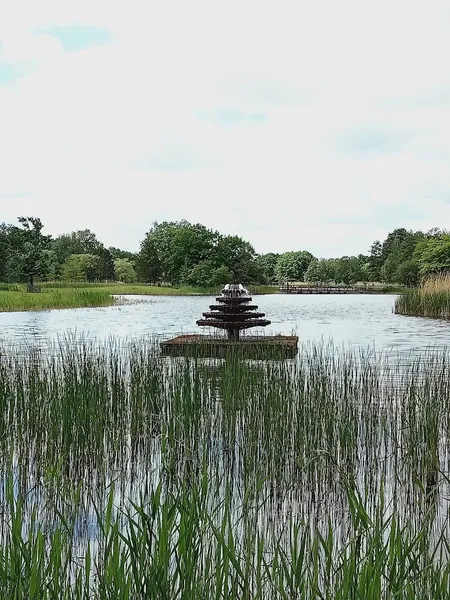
point(355, 139)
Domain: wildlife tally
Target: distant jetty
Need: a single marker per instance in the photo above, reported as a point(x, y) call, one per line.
point(313, 289)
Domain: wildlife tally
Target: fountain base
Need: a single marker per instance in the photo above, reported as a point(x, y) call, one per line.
point(208, 346)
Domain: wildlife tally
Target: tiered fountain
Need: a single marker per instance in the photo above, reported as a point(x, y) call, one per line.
point(233, 313)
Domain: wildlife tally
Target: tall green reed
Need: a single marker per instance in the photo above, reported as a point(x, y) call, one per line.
point(323, 476)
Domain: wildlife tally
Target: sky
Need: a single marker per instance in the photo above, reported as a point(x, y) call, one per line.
point(294, 124)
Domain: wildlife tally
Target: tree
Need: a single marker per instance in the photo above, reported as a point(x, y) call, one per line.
point(149, 268)
point(52, 269)
point(408, 273)
point(125, 271)
point(312, 274)
point(106, 270)
point(348, 270)
point(27, 248)
point(433, 255)
point(174, 248)
point(292, 266)
point(78, 242)
point(117, 253)
point(171, 250)
point(399, 247)
point(320, 271)
point(205, 274)
point(201, 274)
point(4, 246)
point(267, 264)
point(221, 276)
point(376, 260)
point(392, 241)
point(80, 267)
point(238, 256)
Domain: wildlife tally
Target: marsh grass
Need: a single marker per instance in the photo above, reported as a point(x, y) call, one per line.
point(81, 294)
point(153, 290)
point(431, 299)
point(130, 289)
point(129, 475)
point(64, 298)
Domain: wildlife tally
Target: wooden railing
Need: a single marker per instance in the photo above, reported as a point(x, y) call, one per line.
point(318, 289)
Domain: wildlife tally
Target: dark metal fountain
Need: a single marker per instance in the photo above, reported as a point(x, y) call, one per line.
point(233, 312)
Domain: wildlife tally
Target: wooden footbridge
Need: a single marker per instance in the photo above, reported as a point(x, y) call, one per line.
point(316, 289)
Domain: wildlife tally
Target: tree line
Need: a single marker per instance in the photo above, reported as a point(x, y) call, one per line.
point(183, 253)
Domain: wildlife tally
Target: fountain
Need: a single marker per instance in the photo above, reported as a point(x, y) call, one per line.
point(233, 313)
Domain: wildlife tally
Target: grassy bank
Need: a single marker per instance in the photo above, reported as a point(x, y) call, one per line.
point(11, 301)
point(14, 297)
point(152, 290)
point(431, 299)
point(127, 475)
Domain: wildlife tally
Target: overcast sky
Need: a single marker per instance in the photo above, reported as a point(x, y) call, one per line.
point(297, 125)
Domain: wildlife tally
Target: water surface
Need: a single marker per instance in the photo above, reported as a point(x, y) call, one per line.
point(351, 320)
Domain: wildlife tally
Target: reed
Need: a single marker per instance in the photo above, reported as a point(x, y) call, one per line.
point(65, 298)
point(81, 294)
point(153, 290)
point(431, 299)
point(131, 289)
point(130, 475)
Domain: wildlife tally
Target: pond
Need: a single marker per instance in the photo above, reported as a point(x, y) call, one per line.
point(351, 320)
point(271, 455)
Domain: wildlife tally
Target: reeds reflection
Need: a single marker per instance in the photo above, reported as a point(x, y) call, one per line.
point(236, 478)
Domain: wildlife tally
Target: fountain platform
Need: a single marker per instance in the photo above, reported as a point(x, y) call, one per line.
point(208, 346)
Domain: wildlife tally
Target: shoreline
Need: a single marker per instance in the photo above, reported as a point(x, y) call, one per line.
point(17, 299)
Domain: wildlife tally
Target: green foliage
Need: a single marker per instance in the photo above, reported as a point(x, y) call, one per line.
point(205, 274)
point(124, 270)
point(105, 268)
point(238, 256)
point(396, 259)
point(78, 242)
point(292, 266)
point(348, 270)
point(433, 255)
point(81, 267)
point(181, 252)
point(149, 266)
point(376, 260)
point(408, 273)
point(267, 266)
point(321, 271)
point(83, 242)
point(27, 245)
point(4, 245)
point(118, 253)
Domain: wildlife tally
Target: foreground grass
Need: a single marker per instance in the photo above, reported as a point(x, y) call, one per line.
point(431, 299)
point(129, 475)
point(65, 298)
point(176, 546)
